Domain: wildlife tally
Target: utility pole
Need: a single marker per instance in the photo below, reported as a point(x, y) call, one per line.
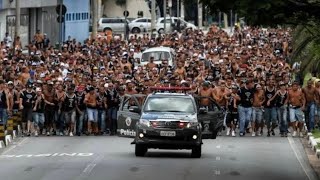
point(178, 8)
point(165, 16)
point(60, 26)
point(199, 14)
point(94, 19)
point(153, 15)
point(17, 28)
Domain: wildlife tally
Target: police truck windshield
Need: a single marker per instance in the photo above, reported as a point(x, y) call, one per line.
point(170, 104)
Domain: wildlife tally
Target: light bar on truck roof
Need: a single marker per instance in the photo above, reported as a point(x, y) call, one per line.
point(170, 88)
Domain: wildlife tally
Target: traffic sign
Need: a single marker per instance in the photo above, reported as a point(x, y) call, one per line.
point(125, 13)
point(62, 7)
point(62, 19)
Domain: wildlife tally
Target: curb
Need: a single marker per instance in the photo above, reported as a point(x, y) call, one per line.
point(8, 139)
point(2, 145)
point(313, 144)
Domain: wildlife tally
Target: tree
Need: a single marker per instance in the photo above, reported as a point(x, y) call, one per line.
point(266, 12)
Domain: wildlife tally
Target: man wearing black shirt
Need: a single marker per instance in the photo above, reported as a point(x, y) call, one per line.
point(113, 105)
point(101, 106)
point(69, 104)
point(245, 105)
point(81, 109)
point(38, 111)
point(27, 98)
point(270, 110)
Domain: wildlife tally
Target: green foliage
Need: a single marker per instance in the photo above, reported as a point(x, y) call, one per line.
point(306, 48)
point(269, 12)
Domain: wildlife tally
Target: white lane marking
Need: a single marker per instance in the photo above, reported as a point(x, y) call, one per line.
point(218, 158)
point(48, 155)
point(217, 172)
point(291, 142)
point(14, 146)
point(218, 146)
point(89, 168)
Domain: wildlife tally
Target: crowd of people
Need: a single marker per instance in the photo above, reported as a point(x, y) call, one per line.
point(78, 89)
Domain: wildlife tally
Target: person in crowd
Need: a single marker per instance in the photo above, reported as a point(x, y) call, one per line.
point(296, 104)
point(27, 99)
point(270, 111)
point(257, 110)
point(69, 106)
point(38, 112)
point(310, 94)
point(49, 97)
point(246, 94)
point(4, 103)
point(91, 103)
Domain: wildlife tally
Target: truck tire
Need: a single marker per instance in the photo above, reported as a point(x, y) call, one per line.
point(196, 152)
point(140, 150)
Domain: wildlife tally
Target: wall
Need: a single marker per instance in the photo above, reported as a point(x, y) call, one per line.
point(28, 3)
point(77, 19)
point(4, 27)
point(133, 6)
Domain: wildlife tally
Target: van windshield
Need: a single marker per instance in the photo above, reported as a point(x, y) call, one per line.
point(158, 56)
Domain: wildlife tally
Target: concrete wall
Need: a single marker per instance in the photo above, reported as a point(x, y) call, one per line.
point(5, 27)
point(29, 3)
point(133, 6)
point(77, 19)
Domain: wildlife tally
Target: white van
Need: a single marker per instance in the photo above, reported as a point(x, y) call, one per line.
point(159, 54)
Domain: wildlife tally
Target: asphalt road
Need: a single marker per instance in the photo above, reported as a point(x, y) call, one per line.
point(112, 158)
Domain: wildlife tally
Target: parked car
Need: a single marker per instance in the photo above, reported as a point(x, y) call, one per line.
point(140, 25)
point(172, 21)
point(113, 24)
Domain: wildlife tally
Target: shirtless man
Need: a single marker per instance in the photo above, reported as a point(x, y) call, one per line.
point(219, 94)
point(310, 93)
point(91, 101)
point(296, 106)
point(205, 91)
point(257, 110)
point(49, 94)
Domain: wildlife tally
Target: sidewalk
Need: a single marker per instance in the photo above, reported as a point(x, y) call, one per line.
point(314, 161)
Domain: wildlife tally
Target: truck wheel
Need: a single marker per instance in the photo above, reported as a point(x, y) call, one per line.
point(140, 150)
point(196, 152)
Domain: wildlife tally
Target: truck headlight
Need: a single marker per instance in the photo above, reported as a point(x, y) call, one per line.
point(192, 124)
point(145, 122)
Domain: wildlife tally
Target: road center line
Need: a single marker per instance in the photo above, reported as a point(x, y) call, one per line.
point(298, 156)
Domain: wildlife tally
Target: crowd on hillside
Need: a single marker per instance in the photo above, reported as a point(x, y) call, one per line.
point(79, 89)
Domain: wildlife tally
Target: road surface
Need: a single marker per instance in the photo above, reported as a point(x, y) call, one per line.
point(112, 158)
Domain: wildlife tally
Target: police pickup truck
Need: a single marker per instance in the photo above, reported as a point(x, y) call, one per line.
point(165, 120)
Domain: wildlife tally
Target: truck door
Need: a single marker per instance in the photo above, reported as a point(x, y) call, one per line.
point(128, 115)
point(211, 118)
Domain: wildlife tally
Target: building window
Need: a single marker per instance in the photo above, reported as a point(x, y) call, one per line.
point(73, 16)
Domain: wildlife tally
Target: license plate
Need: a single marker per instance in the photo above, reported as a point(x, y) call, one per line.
point(168, 133)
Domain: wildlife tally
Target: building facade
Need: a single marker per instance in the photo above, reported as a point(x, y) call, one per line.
point(41, 15)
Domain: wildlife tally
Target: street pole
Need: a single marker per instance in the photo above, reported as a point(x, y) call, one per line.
point(94, 19)
point(231, 22)
point(60, 25)
point(125, 24)
point(17, 28)
point(153, 15)
point(178, 8)
point(199, 14)
point(165, 16)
